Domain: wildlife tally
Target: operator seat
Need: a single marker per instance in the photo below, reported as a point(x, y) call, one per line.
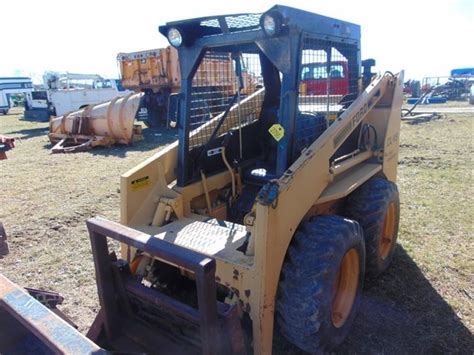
point(263, 169)
point(309, 126)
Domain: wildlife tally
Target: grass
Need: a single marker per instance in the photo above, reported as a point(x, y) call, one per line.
point(45, 202)
point(423, 304)
point(427, 295)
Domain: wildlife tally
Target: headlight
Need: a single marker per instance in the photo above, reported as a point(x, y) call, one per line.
point(271, 23)
point(174, 37)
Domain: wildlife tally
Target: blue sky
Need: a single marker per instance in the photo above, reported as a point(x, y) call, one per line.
point(426, 38)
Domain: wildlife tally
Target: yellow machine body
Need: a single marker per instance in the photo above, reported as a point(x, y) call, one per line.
point(313, 186)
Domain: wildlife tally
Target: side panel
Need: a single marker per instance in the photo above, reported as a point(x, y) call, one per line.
point(142, 186)
point(386, 118)
point(392, 137)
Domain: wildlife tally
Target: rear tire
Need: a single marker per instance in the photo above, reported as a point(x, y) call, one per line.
point(376, 206)
point(321, 283)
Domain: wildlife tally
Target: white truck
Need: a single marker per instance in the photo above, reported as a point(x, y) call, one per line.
point(11, 86)
point(67, 92)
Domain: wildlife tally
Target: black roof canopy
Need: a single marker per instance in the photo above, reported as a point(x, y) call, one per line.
point(294, 19)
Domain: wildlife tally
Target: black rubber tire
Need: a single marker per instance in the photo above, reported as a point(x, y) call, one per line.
point(368, 205)
point(305, 290)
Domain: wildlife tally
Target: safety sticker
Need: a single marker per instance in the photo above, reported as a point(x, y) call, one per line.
point(332, 116)
point(277, 131)
point(140, 183)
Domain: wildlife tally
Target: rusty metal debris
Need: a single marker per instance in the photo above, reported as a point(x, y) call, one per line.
point(6, 144)
point(27, 326)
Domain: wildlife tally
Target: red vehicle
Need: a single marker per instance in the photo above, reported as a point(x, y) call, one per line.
point(314, 77)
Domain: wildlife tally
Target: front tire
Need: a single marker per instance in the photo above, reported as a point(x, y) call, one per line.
point(321, 283)
point(376, 206)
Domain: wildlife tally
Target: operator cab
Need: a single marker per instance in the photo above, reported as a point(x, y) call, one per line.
point(258, 89)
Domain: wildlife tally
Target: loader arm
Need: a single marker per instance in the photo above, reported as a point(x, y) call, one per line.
point(311, 180)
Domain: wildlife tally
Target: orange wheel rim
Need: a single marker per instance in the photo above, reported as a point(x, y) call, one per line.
point(387, 238)
point(345, 288)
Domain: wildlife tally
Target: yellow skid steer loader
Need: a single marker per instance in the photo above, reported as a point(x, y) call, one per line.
point(271, 213)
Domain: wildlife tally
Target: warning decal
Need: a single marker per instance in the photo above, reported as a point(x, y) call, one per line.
point(140, 183)
point(277, 131)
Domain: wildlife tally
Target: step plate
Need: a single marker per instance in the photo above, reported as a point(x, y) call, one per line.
point(212, 237)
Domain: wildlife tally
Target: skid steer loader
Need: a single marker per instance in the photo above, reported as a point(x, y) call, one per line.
point(268, 215)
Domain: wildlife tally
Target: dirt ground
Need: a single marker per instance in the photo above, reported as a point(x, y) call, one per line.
point(423, 304)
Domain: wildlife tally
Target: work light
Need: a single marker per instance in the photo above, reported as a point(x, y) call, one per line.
point(271, 23)
point(175, 37)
